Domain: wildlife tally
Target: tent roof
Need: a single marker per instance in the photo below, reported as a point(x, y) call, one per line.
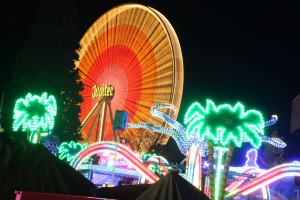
point(31, 167)
point(172, 187)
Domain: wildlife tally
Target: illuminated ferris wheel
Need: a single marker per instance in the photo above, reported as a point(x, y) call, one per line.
point(129, 59)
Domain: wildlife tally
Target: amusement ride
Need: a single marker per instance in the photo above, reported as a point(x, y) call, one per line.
point(131, 67)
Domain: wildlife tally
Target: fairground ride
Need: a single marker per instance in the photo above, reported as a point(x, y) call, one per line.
point(129, 59)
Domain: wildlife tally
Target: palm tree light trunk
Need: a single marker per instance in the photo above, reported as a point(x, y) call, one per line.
point(220, 152)
point(211, 168)
point(225, 171)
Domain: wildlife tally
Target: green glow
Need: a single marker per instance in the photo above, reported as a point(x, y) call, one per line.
point(224, 125)
point(34, 113)
point(156, 169)
point(69, 150)
point(221, 151)
point(33, 137)
point(145, 156)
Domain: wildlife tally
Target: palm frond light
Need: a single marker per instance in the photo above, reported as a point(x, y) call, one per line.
point(69, 150)
point(224, 124)
point(34, 112)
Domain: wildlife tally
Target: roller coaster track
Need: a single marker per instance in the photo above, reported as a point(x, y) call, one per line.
point(266, 178)
point(122, 150)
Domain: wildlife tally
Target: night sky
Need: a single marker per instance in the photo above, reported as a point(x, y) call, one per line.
point(247, 51)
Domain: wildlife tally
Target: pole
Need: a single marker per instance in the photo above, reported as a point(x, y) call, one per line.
point(115, 158)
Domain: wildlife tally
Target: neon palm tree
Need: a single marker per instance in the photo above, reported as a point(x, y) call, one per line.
point(155, 166)
point(69, 150)
point(224, 127)
point(35, 114)
point(156, 169)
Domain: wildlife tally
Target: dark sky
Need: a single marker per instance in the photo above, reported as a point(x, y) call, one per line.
point(247, 51)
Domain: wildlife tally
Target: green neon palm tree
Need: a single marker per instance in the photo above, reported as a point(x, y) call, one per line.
point(156, 169)
point(224, 127)
point(69, 150)
point(35, 114)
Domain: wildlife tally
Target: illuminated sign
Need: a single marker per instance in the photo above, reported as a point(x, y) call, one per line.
point(103, 91)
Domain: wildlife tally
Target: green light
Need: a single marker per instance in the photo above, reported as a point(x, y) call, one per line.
point(224, 125)
point(156, 169)
point(69, 150)
point(146, 156)
point(35, 112)
point(218, 171)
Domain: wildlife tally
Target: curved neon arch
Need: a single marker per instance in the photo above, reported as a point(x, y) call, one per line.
point(270, 176)
point(241, 179)
point(124, 151)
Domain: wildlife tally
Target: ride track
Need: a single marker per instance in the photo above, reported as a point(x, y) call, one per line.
point(122, 150)
point(266, 178)
point(235, 189)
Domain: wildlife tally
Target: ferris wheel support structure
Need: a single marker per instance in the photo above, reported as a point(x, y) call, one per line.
point(99, 111)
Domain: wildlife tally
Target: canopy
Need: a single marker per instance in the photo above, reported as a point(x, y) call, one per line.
point(31, 167)
point(172, 187)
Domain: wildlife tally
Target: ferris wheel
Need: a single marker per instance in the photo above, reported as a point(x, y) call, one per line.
point(129, 59)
